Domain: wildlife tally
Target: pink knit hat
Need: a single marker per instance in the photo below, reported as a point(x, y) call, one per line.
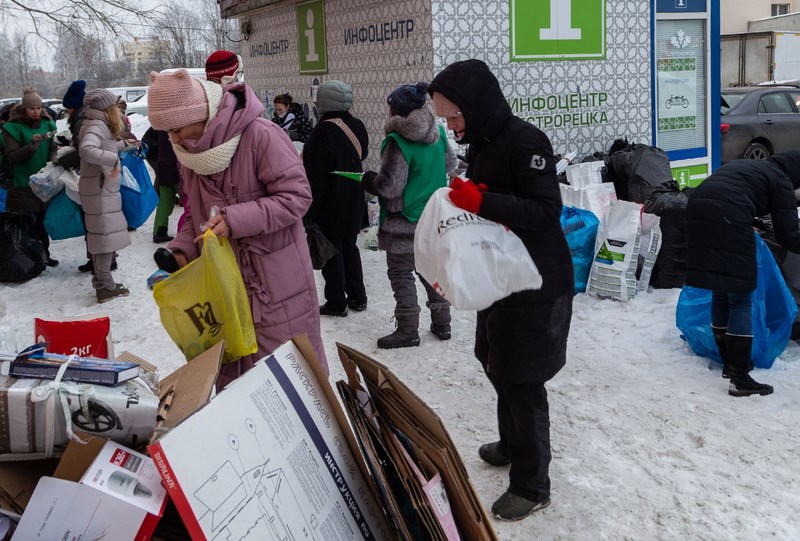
point(175, 100)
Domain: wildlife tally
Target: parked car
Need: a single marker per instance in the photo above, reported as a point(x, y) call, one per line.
point(54, 105)
point(759, 121)
point(139, 105)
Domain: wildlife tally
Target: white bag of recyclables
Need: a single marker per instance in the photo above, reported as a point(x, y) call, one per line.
point(472, 262)
point(594, 197)
point(33, 420)
point(613, 272)
point(47, 182)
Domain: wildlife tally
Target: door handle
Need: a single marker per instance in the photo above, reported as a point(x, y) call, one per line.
point(770, 122)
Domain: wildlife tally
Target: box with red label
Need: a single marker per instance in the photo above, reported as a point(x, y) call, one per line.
point(119, 497)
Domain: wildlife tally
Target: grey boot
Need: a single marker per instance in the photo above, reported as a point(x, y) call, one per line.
point(440, 319)
point(405, 335)
point(742, 384)
point(719, 337)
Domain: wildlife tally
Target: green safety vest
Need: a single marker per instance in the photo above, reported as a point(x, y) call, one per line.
point(22, 133)
point(426, 172)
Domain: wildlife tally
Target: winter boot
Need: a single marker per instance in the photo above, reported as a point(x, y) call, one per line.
point(440, 319)
point(87, 267)
point(512, 507)
point(161, 235)
point(493, 454)
point(719, 338)
point(740, 365)
point(406, 335)
point(105, 295)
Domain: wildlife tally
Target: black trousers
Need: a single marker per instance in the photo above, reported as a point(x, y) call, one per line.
point(41, 230)
point(344, 277)
point(523, 420)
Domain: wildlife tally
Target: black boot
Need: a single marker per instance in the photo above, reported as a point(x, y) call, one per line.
point(161, 235)
point(740, 365)
point(440, 319)
point(406, 334)
point(719, 338)
point(87, 267)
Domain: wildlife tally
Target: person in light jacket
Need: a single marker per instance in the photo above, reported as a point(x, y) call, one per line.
point(247, 166)
point(106, 227)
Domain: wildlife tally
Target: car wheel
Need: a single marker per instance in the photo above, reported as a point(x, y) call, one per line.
point(756, 151)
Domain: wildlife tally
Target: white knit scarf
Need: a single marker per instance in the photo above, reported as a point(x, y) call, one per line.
point(216, 159)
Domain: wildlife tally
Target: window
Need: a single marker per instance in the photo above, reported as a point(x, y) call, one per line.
point(780, 9)
point(775, 103)
point(795, 95)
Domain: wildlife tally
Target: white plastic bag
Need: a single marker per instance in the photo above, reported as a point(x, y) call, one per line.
point(616, 249)
point(371, 238)
point(472, 262)
point(71, 179)
point(46, 183)
point(128, 180)
point(650, 241)
point(594, 197)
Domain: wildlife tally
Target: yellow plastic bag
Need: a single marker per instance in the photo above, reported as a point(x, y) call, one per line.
point(205, 302)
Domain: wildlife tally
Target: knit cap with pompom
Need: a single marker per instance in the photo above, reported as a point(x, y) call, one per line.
point(31, 98)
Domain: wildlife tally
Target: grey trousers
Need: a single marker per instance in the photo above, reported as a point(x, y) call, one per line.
point(400, 270)
point(102, 278)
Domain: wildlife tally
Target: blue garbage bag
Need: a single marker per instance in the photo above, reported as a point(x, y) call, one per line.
point(774, 311)
point(3, 196)
point(63, 218)
point(580, 228)
point(139, 202)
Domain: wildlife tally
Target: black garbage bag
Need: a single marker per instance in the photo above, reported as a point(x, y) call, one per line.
point(668, 202)
point(22, 255)
point(637, 172)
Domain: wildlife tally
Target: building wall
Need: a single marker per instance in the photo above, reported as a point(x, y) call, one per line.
point(735, 14)
point(583, 106)
point(612, 95)
point(783, 23)
point(373, 68)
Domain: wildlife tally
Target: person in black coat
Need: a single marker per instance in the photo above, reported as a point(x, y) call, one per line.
point(338, 142)
point(520, 340)
point(721, 254)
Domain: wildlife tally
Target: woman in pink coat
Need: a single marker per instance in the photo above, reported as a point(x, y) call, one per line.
point(248, 167)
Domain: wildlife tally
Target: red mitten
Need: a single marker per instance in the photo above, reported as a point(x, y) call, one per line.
point(468, 197)
point(458, 183)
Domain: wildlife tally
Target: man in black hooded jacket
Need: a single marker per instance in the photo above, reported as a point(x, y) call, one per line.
point(520, 340)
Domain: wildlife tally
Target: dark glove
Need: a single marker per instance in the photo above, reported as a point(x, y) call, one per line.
point(368, 181)
point(467, 195)
point(165, 260)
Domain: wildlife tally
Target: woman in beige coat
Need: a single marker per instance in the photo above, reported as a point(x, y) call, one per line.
point(106, 228)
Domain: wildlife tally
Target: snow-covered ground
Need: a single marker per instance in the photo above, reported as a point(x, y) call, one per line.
point(647, 444)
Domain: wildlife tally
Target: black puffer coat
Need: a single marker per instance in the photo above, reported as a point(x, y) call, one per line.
point(721, 252)
point(515, 161)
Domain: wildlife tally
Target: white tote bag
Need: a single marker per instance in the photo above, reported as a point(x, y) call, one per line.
point(472, 262)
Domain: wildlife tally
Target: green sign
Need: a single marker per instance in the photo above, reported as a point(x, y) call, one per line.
point(558, 30)
point(311, 39)
point(691, 176)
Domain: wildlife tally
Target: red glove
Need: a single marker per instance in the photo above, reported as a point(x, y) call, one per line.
point(467, 195)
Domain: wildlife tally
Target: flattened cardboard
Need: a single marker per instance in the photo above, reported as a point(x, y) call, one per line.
point(416, 419)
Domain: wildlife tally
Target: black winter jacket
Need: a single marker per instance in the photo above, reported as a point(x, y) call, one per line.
point(515, 160)
point(338, 202)
point(719, 220)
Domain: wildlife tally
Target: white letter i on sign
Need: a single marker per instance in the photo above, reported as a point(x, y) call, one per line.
point(560, 23)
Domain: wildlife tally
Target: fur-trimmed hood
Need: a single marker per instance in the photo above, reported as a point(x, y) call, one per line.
point(419, 126)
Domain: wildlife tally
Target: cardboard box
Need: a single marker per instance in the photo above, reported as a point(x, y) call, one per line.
point(119, 496)
point(268, 458)
point(33, 423)
point(180, 394)
point(396, 410)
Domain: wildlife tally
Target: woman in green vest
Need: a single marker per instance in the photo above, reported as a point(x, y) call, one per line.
point(28, 142)
point(415, 160)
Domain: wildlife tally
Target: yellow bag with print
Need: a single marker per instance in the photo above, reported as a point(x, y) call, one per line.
point(205, 302)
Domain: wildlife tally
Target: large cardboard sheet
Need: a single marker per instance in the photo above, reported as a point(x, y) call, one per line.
point(267, 459)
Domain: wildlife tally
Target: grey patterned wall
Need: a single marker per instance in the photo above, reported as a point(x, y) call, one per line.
point(480, 29)
point(606, 98)
point(374, 68)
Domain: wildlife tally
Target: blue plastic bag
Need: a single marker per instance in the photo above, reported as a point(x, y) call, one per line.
point(63, 218)
point(3, 195)
point(580, 228)
point(137, 206)
point(774, 311)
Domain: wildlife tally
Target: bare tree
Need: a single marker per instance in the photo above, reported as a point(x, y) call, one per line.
point(81, 17)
